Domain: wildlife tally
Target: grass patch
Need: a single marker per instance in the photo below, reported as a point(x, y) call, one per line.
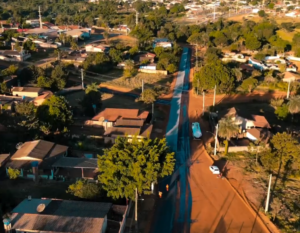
point(288, 36)
point(136, 82)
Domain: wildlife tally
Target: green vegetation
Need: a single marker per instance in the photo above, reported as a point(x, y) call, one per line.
point(92, 99)
point(84, 189)
point(145, 160)
point(227, 130)
point(13, 173)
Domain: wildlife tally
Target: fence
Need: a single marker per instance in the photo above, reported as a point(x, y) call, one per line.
point(238, 148)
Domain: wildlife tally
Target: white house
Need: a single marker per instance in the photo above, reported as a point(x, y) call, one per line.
point(96, 48)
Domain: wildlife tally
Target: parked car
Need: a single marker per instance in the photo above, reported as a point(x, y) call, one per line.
point(215, 170)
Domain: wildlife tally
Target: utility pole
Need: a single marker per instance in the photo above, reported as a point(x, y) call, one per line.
point(288, 91)
point(268, 195)
point(214, 12)
point(203, 97)
point(216, 139)
point(215, 95)
point(40, 17)
point(152, 113)
point(136, 17)
point(136, 203)
point(142, 89)
point(82, 84)
point(198, 87)
point(196, 57)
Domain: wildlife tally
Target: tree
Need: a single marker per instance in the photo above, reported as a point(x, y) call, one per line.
point(227, 129)
point(134, 50)
point(55, 112)
point(289, 27)
point(171, 68)
point(13, 173)
point(74, 45)
point(116, 55)
point(285, 149)
point(58, 76)
point(252, 42)
point(3, 88)
point(149, 96)
point(294, 105)
point(214, 73)
point(129, 70)
point(249, 84)
point(44, 82)
point(26, 109)
point(134, 163)
point(12, 69)
point(212, 54)
point(106, 36)
point(84, 189)
point(256, 148)
point(158, 51)
point(282, 112)
point(261, 13)
point(92, 99)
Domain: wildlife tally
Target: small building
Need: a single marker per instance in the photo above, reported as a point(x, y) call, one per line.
point(290, 77)
point(27, 91)
point(162, 42)
point(10, 55)
point(259, 134)
point(34, 159)
point(151, 66)
point(58, 216)
point(142, 57)
point(79, 33)
point(39, 100)
point(33, 22)
point(97, 48)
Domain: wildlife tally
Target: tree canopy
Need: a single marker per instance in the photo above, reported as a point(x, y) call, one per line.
point(135, 164)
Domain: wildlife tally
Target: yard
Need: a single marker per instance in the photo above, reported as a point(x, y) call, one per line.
point(285, 35)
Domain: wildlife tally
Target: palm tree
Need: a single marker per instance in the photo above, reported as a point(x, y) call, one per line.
point(227, 129)
point(294, 105)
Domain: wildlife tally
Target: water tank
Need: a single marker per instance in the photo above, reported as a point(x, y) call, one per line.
point(7, 225)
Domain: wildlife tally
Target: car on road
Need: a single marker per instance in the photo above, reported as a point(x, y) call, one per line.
point(215, 170)
point(197, 134)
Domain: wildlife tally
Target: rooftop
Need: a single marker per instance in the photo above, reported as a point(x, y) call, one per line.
point(71, 162)
point(260, 134)
point(27, 89)
point(261, 121)
point(112, 114)
point(60, 216)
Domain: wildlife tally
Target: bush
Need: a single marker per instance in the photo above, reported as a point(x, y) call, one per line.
point(276, 102)
point(260, 56)
point(84, 189)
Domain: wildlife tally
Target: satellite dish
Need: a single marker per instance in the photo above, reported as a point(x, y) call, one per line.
point(19, 145)
point(101, 119)
point(40, 208)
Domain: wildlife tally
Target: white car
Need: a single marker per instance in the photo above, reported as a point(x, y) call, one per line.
point(215, 170)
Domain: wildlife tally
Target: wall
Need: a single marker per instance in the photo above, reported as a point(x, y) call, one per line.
point(164, 72)
point(125, 215)
point(235, 148)
point(27, 94)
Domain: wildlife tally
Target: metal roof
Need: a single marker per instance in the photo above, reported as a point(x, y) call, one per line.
point(71, 162)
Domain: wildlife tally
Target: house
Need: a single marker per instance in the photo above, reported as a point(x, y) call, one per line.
point(142, 57)
point(34, 159)
point(10, 55)
point(121, 122)
point(7, 103)
point(79, 33)
point(39, 100)
point(244, 120)
point(75, 168)
point(97, 48)
point(41, 43)
point(51, 33)
point(58, 216)
point(162, 42)
point(27, 91)
point(33, 22)
point(151, 66)
point(290, 77)
point(259, 134)
point(3, 159)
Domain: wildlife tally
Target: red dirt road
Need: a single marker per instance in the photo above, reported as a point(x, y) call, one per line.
point(216, 207)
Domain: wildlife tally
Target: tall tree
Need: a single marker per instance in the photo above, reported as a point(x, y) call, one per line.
point(227, 129)
point(135, 164)
point(92, 99)
point(294, 105)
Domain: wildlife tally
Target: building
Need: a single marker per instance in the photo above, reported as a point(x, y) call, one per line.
point(259, 134)
point(58, 216)
point(10, 55)
point(244, 120)
point(27, 91)
point(79, 33)
point(142, 57)
point(39, 100)
point(290, 77)
point(121, 122)
point(162, 42)
point(33, 22)
point(151, 66)
point(97, 48)
point(34, 159)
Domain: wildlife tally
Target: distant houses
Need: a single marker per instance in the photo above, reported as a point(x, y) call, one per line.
point(162, 42)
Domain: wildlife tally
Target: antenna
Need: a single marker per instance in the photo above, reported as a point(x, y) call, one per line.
point(40, 17)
